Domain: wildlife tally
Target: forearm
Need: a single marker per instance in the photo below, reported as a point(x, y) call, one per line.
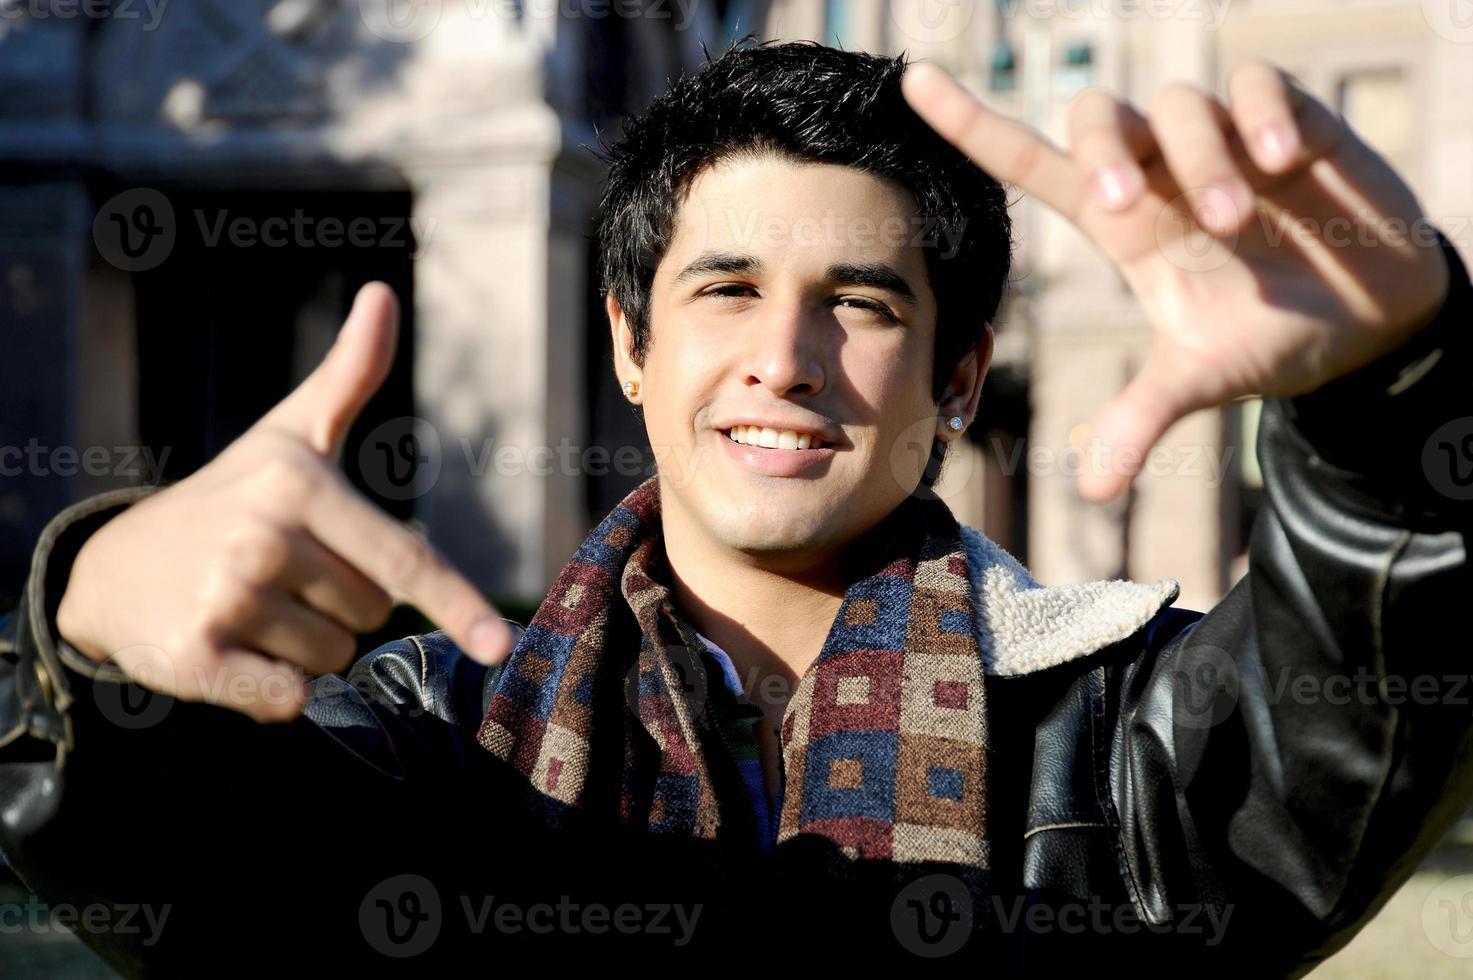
point(1282, 755)
point(116, 796)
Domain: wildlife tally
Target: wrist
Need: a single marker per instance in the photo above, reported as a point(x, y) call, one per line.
point(75, 614)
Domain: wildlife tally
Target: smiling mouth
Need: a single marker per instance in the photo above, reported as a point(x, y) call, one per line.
point(765, 438)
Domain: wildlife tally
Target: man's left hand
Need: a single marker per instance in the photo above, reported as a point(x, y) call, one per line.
point(1272, 249)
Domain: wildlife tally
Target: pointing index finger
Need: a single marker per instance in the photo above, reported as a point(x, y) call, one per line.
point(1006, 149)
point(406, 565)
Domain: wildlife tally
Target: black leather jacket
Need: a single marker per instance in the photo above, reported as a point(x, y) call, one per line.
point(1237, 790)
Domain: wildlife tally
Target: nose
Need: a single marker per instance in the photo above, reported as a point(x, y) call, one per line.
point(784, 352)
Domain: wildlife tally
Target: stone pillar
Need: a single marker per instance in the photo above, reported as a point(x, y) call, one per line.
point(498, 372)
point(479, 366)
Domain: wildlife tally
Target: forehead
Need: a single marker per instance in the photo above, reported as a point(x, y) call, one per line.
point(796, 215)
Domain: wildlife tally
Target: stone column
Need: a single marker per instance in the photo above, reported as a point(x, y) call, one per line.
point(479, 367)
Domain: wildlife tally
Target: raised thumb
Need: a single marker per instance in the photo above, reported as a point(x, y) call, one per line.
point(324, 406)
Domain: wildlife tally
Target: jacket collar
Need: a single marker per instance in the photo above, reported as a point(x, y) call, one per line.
point(1023, 627)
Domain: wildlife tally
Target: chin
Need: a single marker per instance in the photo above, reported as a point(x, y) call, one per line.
point(780, 525)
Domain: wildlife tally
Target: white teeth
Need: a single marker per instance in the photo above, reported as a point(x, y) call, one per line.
point(757, 435)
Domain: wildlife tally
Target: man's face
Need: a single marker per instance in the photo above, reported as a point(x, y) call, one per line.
point(787, 385)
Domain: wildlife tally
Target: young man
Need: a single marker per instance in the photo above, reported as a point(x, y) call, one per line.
point(932, 754)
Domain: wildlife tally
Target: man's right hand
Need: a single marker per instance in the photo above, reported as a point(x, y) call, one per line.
point(258, 569)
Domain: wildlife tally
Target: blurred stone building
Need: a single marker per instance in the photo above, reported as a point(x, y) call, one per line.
point(180, 184)
point(191, 192)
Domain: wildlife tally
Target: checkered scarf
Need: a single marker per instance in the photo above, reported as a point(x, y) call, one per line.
point(884, 740)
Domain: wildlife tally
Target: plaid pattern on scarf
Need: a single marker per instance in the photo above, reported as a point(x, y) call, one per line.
point(884, 739)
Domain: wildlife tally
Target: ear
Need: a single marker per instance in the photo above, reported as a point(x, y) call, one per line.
point(964, 390)
point(625, 368)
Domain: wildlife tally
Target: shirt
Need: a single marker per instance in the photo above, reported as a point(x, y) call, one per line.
point(743, 737)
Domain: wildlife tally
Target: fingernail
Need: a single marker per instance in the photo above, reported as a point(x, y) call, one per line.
point(490, 637)
point(1116, 185)
point(1277, 143)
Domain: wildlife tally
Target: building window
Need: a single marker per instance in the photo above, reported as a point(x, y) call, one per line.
point(1377, 104)
point(1003, 74)
point(737, 18)
point(836, 28)
point(1077, 69)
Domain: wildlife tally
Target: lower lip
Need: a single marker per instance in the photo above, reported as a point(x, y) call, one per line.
point(777, 462)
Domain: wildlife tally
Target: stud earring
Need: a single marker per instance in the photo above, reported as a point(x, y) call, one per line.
point(631, 388)
point(954, 423)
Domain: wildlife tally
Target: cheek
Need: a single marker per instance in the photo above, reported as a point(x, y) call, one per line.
point(892, 378)
point(681, 380)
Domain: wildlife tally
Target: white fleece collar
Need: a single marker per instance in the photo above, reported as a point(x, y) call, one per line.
point(1023, 626)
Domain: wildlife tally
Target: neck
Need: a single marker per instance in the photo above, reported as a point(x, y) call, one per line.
point(771, 619)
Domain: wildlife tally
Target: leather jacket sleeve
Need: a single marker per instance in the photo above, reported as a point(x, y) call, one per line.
point(1290, 757)
point(383, 761)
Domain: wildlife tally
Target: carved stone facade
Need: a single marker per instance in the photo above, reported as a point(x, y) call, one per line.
point(151, 147)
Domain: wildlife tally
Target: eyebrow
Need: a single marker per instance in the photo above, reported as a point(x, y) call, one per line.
point(876, 275)
point(716, 262)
